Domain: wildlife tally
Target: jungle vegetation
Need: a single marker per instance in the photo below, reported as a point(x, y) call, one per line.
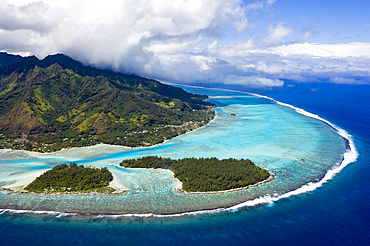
point(205, 174)
point(57, 102)
point(71, 178)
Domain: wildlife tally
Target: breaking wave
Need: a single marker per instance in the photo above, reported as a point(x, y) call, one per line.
point(349, 156)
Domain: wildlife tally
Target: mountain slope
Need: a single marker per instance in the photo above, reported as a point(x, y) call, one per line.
point(59, 98)
point(6, 59)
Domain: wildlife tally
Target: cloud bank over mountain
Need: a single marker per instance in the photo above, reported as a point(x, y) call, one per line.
point(180, 41)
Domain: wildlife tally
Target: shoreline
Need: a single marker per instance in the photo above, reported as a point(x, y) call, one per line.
point(249, 203)
point(177, 189)
point(73, 152)
point(349, 156)
point(109, 148)
point(186, 193)
point(61, 194)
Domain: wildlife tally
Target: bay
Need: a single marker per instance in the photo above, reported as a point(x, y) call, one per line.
point(290, 220)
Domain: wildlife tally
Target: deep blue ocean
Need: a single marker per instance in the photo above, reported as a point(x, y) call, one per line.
point(337, 213)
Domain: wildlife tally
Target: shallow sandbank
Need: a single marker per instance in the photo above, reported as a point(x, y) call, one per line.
point(22, 180)
point(85, 152)
point(63, 194)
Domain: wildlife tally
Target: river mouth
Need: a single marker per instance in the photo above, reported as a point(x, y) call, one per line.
point(299, 149)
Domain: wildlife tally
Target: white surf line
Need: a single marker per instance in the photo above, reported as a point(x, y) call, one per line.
point(349, 156)
point(20, 211)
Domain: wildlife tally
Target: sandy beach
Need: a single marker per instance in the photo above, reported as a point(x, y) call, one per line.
point(80, 152)
point(22, 180)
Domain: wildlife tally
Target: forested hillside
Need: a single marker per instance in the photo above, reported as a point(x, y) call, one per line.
point(57, 102)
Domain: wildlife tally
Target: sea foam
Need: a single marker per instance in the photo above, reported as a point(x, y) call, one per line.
point(349, 156)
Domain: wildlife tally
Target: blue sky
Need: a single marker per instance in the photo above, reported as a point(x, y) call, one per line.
point(253, 43)
point(334, 21)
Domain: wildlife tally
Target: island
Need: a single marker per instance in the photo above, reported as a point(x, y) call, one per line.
point(197, 175)
point(54, 103)
point(58, 103)
point(73, 179)
point(206, 174)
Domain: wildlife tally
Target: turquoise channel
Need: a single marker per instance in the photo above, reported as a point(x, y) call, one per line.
point(297, 148)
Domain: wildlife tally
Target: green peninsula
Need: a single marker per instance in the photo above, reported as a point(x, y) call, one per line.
point(57, 102)
point(72, 178)
point(205, 174)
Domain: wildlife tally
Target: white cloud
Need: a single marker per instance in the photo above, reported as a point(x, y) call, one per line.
point(260, 5)
point(249, 65)
point(342, 80)
point(270, 82)
point(278, 33)
point(255, 5)
point(323, 50)
point(270, 2)
point(177, 40)
point(34, 16)
point(253, 81)
point(122, 34)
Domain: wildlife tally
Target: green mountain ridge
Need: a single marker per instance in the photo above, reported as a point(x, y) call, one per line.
point(56, 99)
point(6, 59)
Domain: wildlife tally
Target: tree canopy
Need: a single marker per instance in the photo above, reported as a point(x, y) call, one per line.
point(58, 103)
point(71, 177)
point(205, 174)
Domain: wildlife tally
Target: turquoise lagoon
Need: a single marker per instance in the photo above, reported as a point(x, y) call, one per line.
point(301, 149)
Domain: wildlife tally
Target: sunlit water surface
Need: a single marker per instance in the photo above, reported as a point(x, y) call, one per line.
point(273, 136)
